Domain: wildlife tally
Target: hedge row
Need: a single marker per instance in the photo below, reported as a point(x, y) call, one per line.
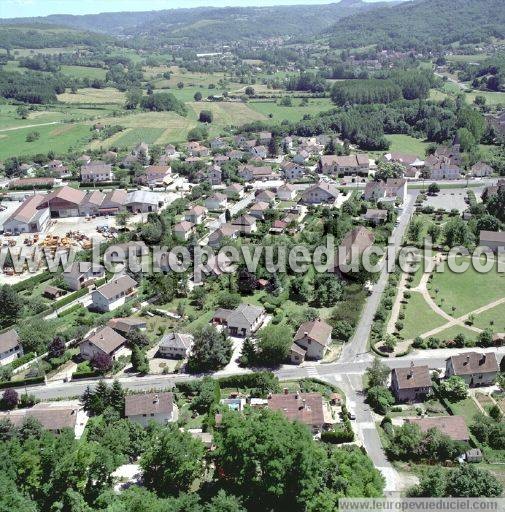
point(20, 383)
point(70, 310)
point(85, 375)
point(70, 298)
point(31, 282)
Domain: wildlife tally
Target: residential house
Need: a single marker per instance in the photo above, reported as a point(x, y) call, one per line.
point(218, 143)
point(259, 152)
point(411, 384)
point(176, 345)
point(96, 172)
point(404, 159)
point(225, 231)
point(125, 325)
point(220, 159)
point(104, 340)
point(301, 157)
point(278, 227)
point(235, 189)
point(494, 240)
point(56, 167)
point(246, 224)
point(242, 321)
point(63, 202)
point(215, 175)
point(354, 244)
point(84, 160)
point(306, 408)
point(451, 426)
point(474, 368)
point(121, 253)
point(55, 417)
point(10, 347)
point(320, 193)
point(113, 294)
point(216, 202)
point(183, 230)
point(292, 171)
point(391, 190)
point(146, 407)
point(81, 274)
point(265, 137)
point(444, 171)
point(141, 151)
point(341, 165)
point(253, 173)
point(286, 192)
point(196, 214)
point(143, 201)
point(197, 149)
point(375, 216)
point(258, 210)
point(235, 154)
point(313, 338)
point(481, 170)
point(265, 196)
point(30, 217)
point(156, 176)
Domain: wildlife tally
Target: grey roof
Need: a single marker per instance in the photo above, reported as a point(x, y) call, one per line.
point(149, 403)
point(78, 268)
point(177, 340)
point(8, 340)
point(107, 340)
point(142, 196)
point(116, 286)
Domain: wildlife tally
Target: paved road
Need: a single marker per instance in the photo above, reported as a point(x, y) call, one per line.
point(357, 346)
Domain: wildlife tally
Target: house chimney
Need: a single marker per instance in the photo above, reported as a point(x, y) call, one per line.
point(156, 399)
point(482, 359)
point(467, 360)
point(297, 395)
point(306, 334)
point(411, 371)
point(303, 403)
point(286, 391)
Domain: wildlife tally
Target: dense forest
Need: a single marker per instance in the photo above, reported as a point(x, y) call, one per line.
point(423, 25)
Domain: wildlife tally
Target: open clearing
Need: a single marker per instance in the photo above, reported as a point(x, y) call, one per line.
point(59, 138)
point(407, 144)
point(467, 291)
point(226, 113)
point(134, 136)
point(294, 113)
point(84, 72)
point(93, 96)
point(419, 317)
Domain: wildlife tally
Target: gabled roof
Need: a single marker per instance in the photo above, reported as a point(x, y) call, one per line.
point(306, 408)
point(329, 188)
point(452, 426)
point(316, 330)
point(8, 340)
point(78, 268)
point(245, 220)
point(492, 236)
point(412, 377)
point(177, 340)
point(142, 196)
point(149, 403)
point(29, 210)
point(474, 362)
point(69, 194)
point(183, 226)
point(116, 286)
point(107, 340)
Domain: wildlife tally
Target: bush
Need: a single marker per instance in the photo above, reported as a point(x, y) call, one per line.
point(338, 436)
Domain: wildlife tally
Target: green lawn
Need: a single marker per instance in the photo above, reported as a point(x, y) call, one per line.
point(451, 332)
point(467, 291)
point(84, 72)
point(493, 318)
point(466, 408)
point(294, 113)
point(59, 138)
point(134, 136)
point(419, 317)
point(407, 144)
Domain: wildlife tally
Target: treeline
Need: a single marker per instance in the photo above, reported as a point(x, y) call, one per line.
point(43, 36)
point(426, 25)
point(351, 92)
point(163, 101)
point(489, 75)
point(386, 87)
point(306, 81)
point(32, 86)
point(366, 125)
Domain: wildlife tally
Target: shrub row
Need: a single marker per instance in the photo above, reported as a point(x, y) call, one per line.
point(31, 282)
point(20, 383)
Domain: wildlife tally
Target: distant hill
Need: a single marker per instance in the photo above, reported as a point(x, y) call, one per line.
point(212, 24)
point(422, 24)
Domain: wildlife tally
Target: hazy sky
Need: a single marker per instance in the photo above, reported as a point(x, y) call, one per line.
point(19, 8)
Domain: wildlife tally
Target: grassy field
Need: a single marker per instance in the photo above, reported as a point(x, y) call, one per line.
point(419, 317)
point(107, 95)
point(451, 332)
point(226, 114)
point(59, 138)
point(460, 289)
point(84, 72)
point(134, 136)
point(466, 408)
point(493, 318)
point(407, 144)
point(295, 113)
point(477, 57)
point(492, 98)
